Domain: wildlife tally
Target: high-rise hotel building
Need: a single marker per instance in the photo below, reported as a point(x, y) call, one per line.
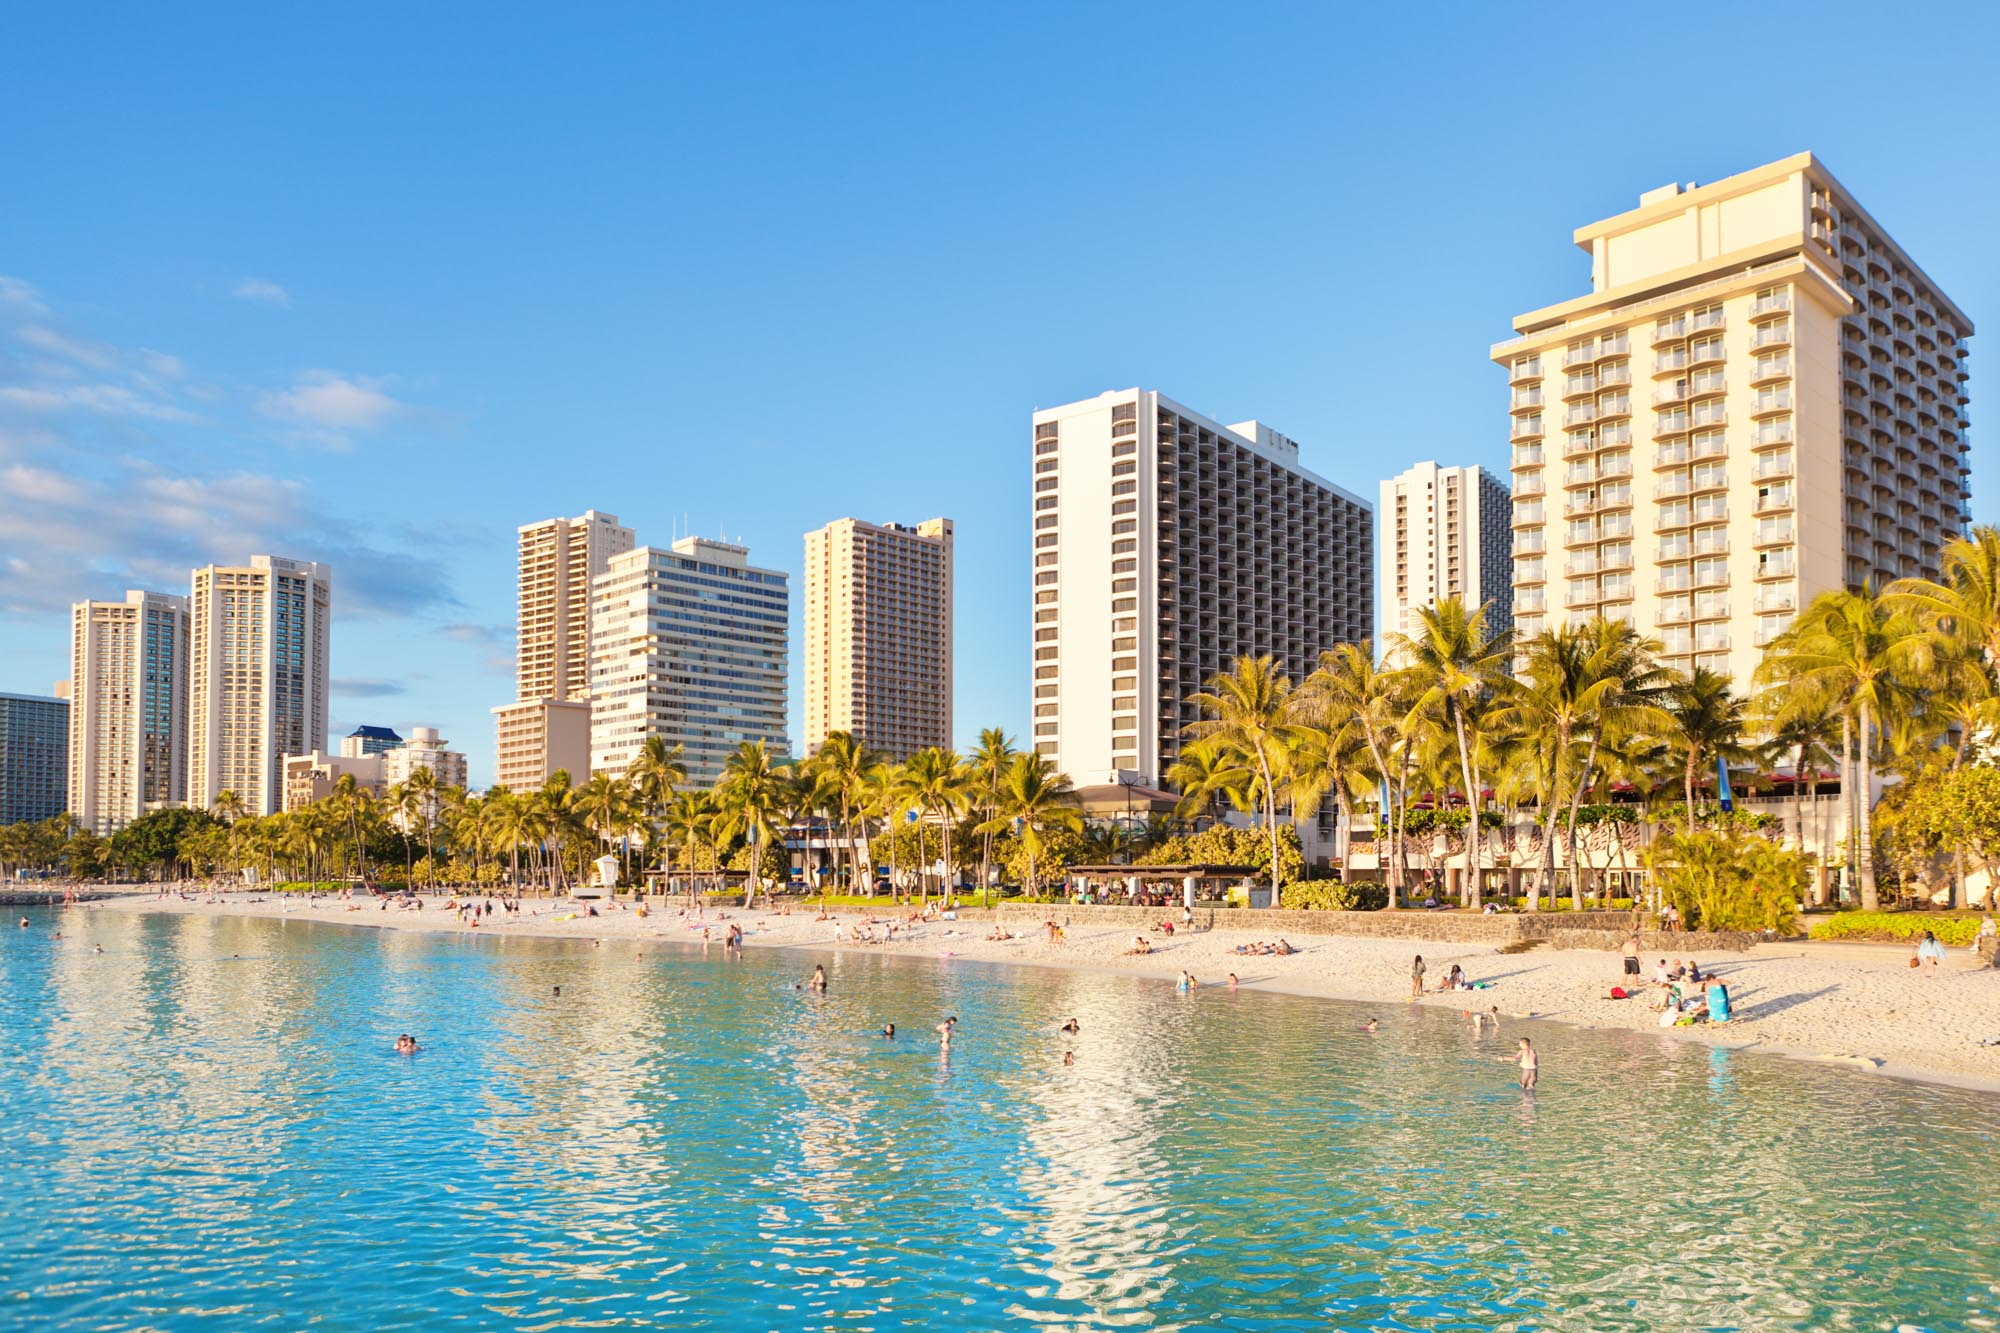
point(1762, 398)
point(878, 634)
point(1445, 534)
point(689, 645)
point(128, 714)
point(1166, 544)
point(34, 736)
point(257, 676)
point(547, 727)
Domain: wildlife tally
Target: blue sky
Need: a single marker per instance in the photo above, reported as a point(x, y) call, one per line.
point(376, 284)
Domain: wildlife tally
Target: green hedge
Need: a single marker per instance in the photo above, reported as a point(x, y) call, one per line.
point(1330, 895)
point(1896, 927)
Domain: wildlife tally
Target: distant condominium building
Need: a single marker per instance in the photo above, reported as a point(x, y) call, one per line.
point(547, 728)
point(128, 715)
point(1762, 398)
point(559, 560)
point(314, 776)
point(1165, 545)
point(34, 745)
point(257, 677)
point(424, 749)
point(878, 634)
point(368, 740)
point(537, 738)
point(688, 644)
point(1444, 534)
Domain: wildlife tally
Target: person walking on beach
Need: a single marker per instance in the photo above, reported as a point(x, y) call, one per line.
point(1417, 978)
point(1632, 954)
point(1930, 952)
point(1529, 1062)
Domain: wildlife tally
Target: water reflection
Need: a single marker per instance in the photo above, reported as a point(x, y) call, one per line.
point(210, 1126)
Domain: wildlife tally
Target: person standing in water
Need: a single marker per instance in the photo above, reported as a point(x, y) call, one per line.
point(945, 1030)
point(1529, 1062)
point(819, 977)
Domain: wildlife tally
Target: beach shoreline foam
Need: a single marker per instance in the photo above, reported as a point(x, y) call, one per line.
point(1854, 1005)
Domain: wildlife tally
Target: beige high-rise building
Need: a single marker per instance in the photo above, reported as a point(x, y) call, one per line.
point(548, 726)
point(128, 713)
point(1444, 534)
point(257, 676)
point(536, 737)
point(878, 634)
point(1762, 398)
point(559, 559)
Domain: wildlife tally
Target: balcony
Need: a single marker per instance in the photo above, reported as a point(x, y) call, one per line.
point(1579, 505)
point(1667, 330)
point(1711, 541)
point(1525, 368)
point(1776, 500)
point(1526, 428)
point(1530, 543)
point(1777, 334)
point(1581, 414)
point(1612, 376)
point(1674, 613)
point(1581, 564)
point(1615, 405)
point(1528, 516)
point(1776, 569)
point(1579, 356)
point(1530, 571)
point(1669, 394)
point(1617, 465)
point(1771, 402)
point(1705, 353)
point(1613, 344)
point(1525, 399)
point(1772, 600)
point(1580, 444)
point(1703, 320)
point(1772, 432)
point(1530, 484)
point(1769, 368)
point(1528, 455)
point(1777, 532)
point(1773, 304)
point(1669, 487)
point(1671, 455)
point(1580, 386)
point(1710, 413)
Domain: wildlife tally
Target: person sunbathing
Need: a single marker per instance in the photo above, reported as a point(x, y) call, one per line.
point(1139, 945)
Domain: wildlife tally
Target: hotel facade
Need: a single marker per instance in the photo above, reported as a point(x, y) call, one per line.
point(688, 644)
point(878, 634)
point(547, 727)
point(34, 739)
point(257, 676)
point(128, 714)
point(1166, 544)
point(1762, 398)
point(1444, 533)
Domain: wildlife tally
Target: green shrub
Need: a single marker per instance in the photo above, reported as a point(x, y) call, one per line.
point(1729, 880)
point(1904, 927)
point(1330, 895)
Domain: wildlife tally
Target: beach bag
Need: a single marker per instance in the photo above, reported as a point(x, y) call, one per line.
point(1914, 962)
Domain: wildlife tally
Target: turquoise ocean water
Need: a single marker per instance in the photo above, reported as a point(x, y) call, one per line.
point(206, 1128)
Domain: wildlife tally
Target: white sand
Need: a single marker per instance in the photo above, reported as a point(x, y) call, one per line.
point(1860, 1005)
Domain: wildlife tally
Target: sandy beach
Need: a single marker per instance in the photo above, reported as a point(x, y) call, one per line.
point(1858, 1005)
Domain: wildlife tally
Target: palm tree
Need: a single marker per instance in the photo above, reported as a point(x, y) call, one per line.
point(689, 824)
point(1965, 602)
point(1855, 646)
point(1705, 722)
point(939, 785)
point(1348, 684)
point(423, 788)
point(1327, 761)
point(1799, 725)
point(228, 806)
point(1249, 714)
point(656, 772)
point(1208, 775)
point(605, 803)
point(989, 762)
point(751, 795)
point(402, 803)
point(1036, 800)
point(844, 765)
point(348, 797)
point(1452, 662)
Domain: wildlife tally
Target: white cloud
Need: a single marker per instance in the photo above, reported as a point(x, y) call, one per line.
point(14, 292)
point(261, 289)
point(333, 403)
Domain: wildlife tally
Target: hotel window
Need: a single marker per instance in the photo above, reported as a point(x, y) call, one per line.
point(1047, 673)
point(1046, 447)
point(1124, 703)
point(1046, 465)
point(1124, 566)
point(1047, 483)
point(1124, 487)
point(1047, 540)
point(1046, 521)
point(1124, 525)
point(1126, 585)
point(1124, 682)
point(1046, 691)
point(1046, 502)
point(1124, 645)
point(1045, 710)
point(1124, 469)
point(1045, 728)
point(1119, 548)
point(1124, 506)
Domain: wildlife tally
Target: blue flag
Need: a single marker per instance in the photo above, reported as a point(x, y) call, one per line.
point(1722, 786)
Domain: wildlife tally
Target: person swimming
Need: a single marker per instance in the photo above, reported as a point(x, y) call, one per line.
point(1069, 1057)
point(889, 1031)
point(406, 1045)
point(819, 977)
point(1072, 1027)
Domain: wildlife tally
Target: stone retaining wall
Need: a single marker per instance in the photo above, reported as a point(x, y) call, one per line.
point(1561, 930)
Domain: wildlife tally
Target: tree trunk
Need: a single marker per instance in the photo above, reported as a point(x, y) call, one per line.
point(1847, 795)
point(1270, 818)
point(1869, 900)
point(1468, 894)
point(1576, 805)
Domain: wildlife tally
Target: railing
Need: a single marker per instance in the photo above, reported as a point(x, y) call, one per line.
point(1776, 301)
point(1774, 432)
point(1686, 294)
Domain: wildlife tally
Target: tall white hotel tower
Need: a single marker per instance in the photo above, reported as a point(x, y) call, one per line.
point(128, 708)
point(1761, 398)
point(1165, 545)
point(1444, 534)
point(257, 678)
